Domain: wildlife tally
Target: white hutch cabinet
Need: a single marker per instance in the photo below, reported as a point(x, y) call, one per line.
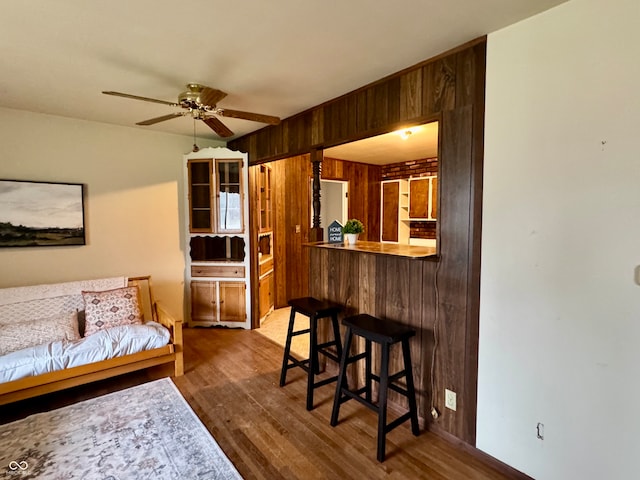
point(217, 238)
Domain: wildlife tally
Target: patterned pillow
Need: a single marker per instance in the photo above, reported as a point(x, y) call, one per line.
point(110, 308)
point(19, 335)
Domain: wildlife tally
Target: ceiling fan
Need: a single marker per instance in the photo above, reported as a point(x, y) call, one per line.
point(200, 102)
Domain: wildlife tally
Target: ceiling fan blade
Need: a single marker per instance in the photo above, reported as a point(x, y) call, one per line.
point(217, 126)
point(256, 117)
point(211, 96)
point(145, 99)
point(151, 121)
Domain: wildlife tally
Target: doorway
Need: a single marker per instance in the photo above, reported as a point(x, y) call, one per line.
point(334, 200)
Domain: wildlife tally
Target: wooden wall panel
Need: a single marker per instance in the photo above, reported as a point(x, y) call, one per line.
point(298, 208)
point(364, 191)
point(450, 89)
point(455, 170)
point(253, 244)
point(411, 94)
point(439, 85)
point(281, 262)
point(292, 206)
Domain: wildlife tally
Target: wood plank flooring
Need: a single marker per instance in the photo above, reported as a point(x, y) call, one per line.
point(231, 381)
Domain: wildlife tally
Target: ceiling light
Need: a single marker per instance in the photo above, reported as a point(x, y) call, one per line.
point(407, 132)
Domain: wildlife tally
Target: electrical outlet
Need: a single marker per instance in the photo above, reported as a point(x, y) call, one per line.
point(450, 400)
point(540, 431)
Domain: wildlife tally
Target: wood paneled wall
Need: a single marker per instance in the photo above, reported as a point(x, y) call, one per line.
point(292, 206)
point(364, 191)
point(449, 89)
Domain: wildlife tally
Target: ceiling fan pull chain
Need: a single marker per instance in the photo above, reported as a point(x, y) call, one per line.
point(195, 146)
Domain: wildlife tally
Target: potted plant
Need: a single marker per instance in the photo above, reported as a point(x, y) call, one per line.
point(351, 229)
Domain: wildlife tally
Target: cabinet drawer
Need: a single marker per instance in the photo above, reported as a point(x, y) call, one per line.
point(217, 271)
point(267, 266)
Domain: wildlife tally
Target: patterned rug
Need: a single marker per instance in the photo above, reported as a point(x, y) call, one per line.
point(145, 432)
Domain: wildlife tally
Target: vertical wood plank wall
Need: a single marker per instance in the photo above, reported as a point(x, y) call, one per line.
point(364, 191)
point(290, 187)
point(450, 89)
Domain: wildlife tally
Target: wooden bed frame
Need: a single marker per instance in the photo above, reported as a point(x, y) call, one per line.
point(70, 377)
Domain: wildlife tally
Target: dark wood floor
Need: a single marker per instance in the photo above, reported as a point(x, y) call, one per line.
point(231, 381)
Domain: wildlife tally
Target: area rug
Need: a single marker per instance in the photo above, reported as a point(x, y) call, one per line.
point(145, 432)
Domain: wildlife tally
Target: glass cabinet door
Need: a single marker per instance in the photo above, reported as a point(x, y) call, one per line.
point(229, 196)
point(264, 181)
point(200, 198)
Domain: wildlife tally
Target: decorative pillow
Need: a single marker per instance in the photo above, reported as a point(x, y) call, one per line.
point(110, 308)
point(18, 335)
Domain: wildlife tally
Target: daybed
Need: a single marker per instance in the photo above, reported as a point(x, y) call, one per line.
point(95, 347)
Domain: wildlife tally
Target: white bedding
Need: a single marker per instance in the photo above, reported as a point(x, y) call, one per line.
point(103, 345)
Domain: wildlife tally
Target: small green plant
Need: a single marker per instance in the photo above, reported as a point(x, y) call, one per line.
point(353, 226)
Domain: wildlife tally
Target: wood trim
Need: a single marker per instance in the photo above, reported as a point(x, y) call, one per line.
point(71, 377)
point(254, 228)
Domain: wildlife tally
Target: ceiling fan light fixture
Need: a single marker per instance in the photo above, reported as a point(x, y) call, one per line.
point(200, 102)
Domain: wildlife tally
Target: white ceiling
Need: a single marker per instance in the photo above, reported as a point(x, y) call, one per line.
point(392, 147)
point(276, 57)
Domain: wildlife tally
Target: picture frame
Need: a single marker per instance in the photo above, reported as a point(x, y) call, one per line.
point(41, 214)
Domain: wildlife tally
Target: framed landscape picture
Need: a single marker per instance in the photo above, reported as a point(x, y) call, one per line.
point(39, 214)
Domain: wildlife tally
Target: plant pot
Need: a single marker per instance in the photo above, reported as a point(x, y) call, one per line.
point(351, 238)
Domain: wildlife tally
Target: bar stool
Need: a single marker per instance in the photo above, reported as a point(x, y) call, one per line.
point(385, 333)
point(314, 309)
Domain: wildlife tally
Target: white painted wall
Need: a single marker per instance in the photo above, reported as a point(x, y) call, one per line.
point(334, 202)
point(133, 200)
point(560, 307)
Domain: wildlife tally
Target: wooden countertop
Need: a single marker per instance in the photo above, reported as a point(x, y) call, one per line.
point(411, 251)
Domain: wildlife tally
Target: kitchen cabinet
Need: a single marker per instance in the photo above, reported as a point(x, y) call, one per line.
point(265, 241)
point(423, 198)
point(214, 302)
point(265, 207)
point(266, 289)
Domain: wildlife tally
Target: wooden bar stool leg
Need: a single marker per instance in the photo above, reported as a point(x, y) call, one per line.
point(313, 359)
point(342, 379)
point(287, 349)
point(411, 391)
point(336, 334)
point(382, 401)
point(367, 372)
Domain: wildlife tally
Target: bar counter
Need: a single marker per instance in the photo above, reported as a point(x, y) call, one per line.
point(394, 282)
point(410, 251)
